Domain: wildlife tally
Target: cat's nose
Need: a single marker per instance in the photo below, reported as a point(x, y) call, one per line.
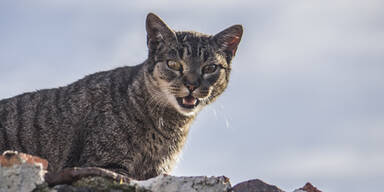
point(191, 85)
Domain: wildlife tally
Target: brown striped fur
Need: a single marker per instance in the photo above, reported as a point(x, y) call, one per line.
point(128, 119)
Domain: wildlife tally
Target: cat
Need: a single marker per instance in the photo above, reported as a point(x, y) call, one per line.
point(130, 120)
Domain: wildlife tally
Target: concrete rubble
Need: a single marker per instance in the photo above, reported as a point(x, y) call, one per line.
point(21, 172)
point(255, 185)
point(190, 184)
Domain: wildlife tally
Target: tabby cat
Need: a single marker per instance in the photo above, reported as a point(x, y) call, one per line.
point(131, 120)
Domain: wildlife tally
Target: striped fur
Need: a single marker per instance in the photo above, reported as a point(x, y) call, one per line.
point(127, 119)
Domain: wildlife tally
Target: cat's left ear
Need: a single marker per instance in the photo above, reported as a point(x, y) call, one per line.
point(158, 31)
point(229, 39)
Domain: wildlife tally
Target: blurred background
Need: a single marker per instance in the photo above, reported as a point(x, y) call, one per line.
point(305, 100)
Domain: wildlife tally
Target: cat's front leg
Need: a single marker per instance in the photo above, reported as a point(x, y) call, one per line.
point(70, 175)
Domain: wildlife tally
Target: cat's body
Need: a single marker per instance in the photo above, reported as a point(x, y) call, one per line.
point(94, 122)
point(132, 120)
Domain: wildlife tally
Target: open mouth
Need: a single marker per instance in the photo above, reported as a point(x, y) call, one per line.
point(188, 102)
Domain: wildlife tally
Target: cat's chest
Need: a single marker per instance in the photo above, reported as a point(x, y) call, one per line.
point(162, 148)
point(165, 141)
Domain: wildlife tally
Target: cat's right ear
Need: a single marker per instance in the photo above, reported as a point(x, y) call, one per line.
point(158, 32)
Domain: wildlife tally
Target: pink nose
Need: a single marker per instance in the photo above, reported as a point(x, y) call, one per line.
point(191, 87)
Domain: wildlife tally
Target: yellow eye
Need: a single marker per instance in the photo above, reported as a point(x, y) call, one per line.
point(209, 68)
point(174, 65)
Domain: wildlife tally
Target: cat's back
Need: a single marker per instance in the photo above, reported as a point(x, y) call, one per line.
point(78, 91)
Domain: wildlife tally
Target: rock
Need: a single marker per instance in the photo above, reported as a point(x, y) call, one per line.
point(21, 172)
point(255, 185)
point(308, 187)
point(162, 183)
point(167, 183)
point(10, 158)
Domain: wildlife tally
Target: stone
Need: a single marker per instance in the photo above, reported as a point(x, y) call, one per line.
point(308, 187)
point(167, 183)
point(21, 172)
point(10, 158)
point(255, 185)
point(162, 183)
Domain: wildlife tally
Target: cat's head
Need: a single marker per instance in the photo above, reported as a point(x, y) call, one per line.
point(190, 69)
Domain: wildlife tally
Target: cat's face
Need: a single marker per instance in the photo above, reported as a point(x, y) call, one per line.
point(190, 69)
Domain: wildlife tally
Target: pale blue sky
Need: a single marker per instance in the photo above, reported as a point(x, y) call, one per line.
point(305, 101)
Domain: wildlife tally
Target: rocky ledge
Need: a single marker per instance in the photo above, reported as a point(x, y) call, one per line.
point(21, 172)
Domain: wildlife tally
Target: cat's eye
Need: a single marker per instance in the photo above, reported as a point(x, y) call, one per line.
point(209, 68)
point(174, 65)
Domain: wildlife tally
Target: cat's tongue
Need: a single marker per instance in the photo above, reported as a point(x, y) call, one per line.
point(189, 100)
